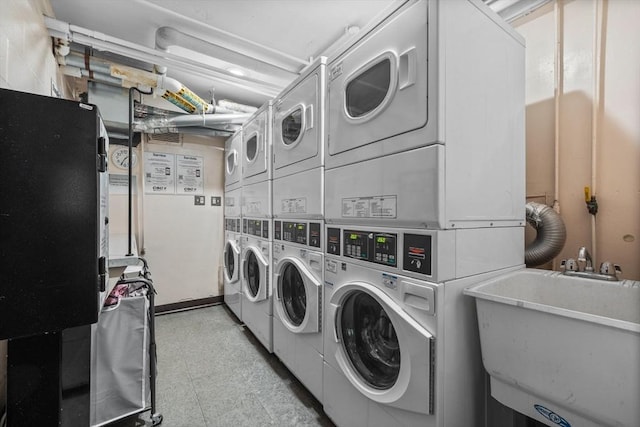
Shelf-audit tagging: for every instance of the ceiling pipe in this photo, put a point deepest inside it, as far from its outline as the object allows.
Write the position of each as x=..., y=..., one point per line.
x=236, y=43
x=166, y=37
x=103, y=42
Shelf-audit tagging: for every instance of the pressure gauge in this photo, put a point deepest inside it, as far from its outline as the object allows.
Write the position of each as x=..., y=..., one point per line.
x=120, y=158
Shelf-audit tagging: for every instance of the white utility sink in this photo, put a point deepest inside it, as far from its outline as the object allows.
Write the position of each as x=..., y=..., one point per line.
x=562, y=350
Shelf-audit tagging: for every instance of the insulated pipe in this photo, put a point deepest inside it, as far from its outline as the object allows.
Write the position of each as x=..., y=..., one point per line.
x=551, y=234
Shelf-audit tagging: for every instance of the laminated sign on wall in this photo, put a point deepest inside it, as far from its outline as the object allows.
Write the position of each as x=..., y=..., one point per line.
x=190, y=171
x=159, y=173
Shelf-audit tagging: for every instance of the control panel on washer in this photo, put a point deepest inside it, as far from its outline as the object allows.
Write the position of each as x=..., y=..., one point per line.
x=382, y=248
x=256, y=227
x=232, y=224
x=301, y=232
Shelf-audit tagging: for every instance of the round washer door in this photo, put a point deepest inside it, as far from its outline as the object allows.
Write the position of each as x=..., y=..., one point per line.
x=297, y=296
x=254, y=274
x=382, y=351
x=231, y=261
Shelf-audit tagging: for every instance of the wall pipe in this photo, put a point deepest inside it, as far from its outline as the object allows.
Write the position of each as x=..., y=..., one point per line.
x=131, y=89
x=599, y=29
x=558, y=93
x=551, y=234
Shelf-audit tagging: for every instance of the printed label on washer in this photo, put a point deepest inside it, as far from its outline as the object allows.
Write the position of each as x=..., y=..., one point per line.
x=298, y=205
x=389, y=281
x=253, y=207
x=370, y=207
x=332, y=266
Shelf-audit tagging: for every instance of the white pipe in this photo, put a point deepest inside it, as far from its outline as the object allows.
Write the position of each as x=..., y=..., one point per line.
x=599, y=28
x=166, y=37
x=558, y=92
x=107, y=43
x=251, y=48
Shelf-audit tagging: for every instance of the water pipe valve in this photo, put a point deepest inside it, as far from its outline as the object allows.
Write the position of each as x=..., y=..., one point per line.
x=590, y=200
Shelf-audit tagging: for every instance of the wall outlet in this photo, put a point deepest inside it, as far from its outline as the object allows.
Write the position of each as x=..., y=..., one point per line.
x=216, y=201
x=199, y=200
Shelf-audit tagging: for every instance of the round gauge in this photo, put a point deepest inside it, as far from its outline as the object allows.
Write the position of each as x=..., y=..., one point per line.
x=120, y=158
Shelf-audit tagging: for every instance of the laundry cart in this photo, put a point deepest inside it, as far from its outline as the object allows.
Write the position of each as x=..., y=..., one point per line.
x=124, y=353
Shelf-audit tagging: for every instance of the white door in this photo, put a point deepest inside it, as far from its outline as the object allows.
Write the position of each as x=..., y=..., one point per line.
x=382, y=351
x=378, y=88
x=298, y=295
x=255, y=270
x=231, y=261
x=255, y=146
x=296, y=134
x=232, y=162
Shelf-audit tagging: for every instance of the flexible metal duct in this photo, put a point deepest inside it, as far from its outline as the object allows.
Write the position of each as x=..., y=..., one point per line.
x=551, y=234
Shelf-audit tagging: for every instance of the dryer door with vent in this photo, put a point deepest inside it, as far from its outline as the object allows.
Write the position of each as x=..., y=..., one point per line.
x=231, y=261
x=255, y=147
x=298, y=296
x=297, y=135
x=232, y=161
x=381, y=350
x=378, y=88
x=255, y=271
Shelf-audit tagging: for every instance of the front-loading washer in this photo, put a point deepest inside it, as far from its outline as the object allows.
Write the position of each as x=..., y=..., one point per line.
x=298, y=146
x=297, y=302
x=232, y=250
x=400, y=338
x=233, y=162
x=257, y=302
x=425, y=121
x=256, y=146
x=231, y=254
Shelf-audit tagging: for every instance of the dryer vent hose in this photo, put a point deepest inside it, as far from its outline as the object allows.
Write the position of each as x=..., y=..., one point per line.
x=551, y=234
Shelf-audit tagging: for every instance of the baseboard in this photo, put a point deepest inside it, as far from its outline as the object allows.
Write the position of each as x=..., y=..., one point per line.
x=188, y=305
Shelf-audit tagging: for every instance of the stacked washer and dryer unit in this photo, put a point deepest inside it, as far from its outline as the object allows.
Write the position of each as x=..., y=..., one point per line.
x=233, y=224
x=298, y=204
x=257, y=214
x=424, y=196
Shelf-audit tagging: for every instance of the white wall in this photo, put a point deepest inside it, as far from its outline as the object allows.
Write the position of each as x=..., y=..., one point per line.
x=617, y=159
x=26, y=64
x=181, y=241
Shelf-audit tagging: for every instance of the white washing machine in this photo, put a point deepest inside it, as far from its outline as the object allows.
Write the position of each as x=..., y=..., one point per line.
x=297, y=305
x=420, y=110
x=257, y=302
x=400, y=340
x=231, y=254
x=298, y=146
x=233, y=162
x=256, y=146
x=232, y=250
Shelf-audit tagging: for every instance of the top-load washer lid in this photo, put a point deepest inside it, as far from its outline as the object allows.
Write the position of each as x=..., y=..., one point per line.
x=255, y=271
x=381, y=350
x=231, y=261
x=298, y=296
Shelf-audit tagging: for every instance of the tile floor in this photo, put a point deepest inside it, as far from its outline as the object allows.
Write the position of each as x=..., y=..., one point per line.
x=213, y=372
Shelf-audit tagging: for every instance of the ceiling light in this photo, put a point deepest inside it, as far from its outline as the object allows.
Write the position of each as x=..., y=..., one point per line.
x=236, y=72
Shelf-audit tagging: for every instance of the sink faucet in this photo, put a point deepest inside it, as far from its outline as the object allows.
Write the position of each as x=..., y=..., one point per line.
x=573, y=267
x=585, y=256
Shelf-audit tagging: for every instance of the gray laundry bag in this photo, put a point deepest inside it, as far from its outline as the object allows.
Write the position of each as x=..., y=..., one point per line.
x=120, y=384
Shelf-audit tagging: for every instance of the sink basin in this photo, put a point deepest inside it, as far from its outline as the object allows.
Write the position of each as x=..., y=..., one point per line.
x=562, y=350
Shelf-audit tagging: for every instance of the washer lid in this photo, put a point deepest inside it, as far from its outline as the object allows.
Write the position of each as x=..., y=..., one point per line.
x=298, y=296
x=383, y=352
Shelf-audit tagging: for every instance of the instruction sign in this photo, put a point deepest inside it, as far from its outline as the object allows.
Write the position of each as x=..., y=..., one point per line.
x=190, y=171
x=159, y=173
